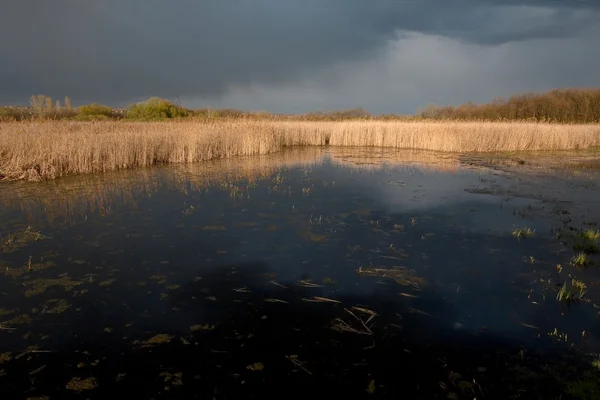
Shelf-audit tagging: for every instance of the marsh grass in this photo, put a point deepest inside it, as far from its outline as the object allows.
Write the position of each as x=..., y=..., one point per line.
x=38, y=150
x=584, y=240
x=571, y=292
x=581, y=260
x=523, y=232
x=590, y=234
x=586, y=246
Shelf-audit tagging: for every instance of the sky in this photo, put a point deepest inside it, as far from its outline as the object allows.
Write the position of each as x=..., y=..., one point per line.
x=296, y=56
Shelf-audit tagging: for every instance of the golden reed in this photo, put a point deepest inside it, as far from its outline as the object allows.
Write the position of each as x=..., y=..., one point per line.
x=49, y=149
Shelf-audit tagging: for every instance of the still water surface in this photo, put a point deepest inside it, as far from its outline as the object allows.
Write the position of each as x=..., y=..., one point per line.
x=375, y=273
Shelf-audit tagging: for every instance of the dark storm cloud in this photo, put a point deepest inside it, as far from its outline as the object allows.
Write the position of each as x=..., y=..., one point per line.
x=115, y=51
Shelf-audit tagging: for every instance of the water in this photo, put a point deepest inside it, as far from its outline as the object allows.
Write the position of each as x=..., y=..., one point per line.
x=375, y=273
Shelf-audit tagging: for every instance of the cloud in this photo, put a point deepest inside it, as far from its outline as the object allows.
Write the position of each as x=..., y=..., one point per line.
x=416, y=69
x=292, y=54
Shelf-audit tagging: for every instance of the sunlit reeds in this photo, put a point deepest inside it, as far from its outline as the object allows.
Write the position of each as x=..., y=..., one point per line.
x=51, y=149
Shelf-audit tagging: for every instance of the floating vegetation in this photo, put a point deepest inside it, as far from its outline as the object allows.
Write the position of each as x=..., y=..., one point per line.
x=27, y=268
x=256, y=367
x=401, y=275
x=364, y=310
x=214, y=228
x=309, y=284
x=20, y=239
x=278, y=284
x=318, y=299
x=273, y=300
x=79, y=385
x=353, y=325
x=173, y=379
x=55, y=306
x=316, y=238
x=161, y=338
x=297, y=363
x=18, y=320
x=523, y=232
x=581, y=260
x=4, y=312
x=200, y=328
x=5, y=357
x=408, y=295
x=107, y=282
x=39, y=286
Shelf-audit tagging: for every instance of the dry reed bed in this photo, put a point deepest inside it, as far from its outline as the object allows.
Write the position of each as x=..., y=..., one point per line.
x=50, y=149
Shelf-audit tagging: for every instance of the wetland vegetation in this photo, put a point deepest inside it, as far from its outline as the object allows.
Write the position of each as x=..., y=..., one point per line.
x=51, y=149
x=340, y=254
x=347, y=272
x=49, y=140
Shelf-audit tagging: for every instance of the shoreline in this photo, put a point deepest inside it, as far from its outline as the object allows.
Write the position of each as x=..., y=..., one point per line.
x=37, y=151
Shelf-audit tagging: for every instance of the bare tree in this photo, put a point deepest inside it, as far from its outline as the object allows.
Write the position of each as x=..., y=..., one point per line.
x=37, y=103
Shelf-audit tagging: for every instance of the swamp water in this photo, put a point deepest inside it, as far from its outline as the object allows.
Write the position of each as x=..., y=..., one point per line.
x=380, y=274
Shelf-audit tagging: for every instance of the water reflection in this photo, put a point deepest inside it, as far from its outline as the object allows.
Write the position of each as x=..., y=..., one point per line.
x=311, y=265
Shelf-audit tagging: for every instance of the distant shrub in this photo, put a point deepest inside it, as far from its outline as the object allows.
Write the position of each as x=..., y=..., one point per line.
x=155, y=109
x=95, y=110
x=10, y=114
x=91, y=117
x=353, y=113
x=561, y=106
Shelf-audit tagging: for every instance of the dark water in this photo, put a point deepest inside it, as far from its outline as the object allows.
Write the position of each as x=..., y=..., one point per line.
x=303, y=274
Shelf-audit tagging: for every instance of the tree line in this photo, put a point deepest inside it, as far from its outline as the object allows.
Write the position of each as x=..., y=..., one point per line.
x=560, y=106
x=556, y=106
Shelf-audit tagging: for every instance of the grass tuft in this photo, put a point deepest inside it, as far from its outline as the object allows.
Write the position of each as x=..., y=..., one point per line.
x=581, y=260
x=523, y=232
x=590, y=234
x=571, y=292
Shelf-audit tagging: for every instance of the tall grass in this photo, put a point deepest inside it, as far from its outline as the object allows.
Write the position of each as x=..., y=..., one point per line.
x=51, y=149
